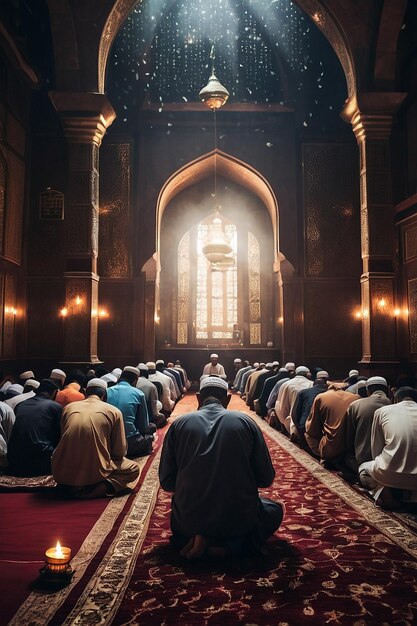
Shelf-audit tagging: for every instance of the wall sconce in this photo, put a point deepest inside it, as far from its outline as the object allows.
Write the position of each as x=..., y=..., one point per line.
x=156, y=318
x=382, y=303
x=281, y=320
x=63, y=312
x=10, y=310
x=397, y=312
x=358, y=315
x=103, y=313
x=78, y=300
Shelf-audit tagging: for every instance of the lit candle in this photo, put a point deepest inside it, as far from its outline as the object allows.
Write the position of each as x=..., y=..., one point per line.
x=57, y=558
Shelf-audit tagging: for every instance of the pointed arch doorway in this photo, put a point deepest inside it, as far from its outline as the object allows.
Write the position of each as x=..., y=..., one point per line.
x=194, y=307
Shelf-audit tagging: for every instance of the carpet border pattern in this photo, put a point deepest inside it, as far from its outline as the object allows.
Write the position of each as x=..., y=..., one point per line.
x=103, y=594
x=390, y=526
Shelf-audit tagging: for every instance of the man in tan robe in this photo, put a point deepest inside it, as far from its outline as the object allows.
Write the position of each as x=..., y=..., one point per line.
x=325, y=429
x=90, y=457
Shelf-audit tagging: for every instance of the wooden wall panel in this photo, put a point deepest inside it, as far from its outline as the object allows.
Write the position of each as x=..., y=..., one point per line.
x=115, y=332
x=14, y=208
x=45, y=298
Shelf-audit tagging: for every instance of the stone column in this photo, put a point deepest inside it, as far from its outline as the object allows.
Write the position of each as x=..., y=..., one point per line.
x=371, y=116
x=85, y=118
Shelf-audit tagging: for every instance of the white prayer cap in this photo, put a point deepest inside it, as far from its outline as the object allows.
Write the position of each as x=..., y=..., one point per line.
x=31, y=382
x=237, y=361
x=143, y=367
x=151, y=365
x=353, y=373
x=376, y=380
x=108, y=378
x=130, y=368
x=213, y=381
x=268, y=366
x=26, y=375
x=322, y=374
x=18, y=389
x=6, y=385
x=160, y=362
x=58, y=375
x=97, y=382
x=360, y=384
x=290, y=366
x=214, y=356
x=275, y=363
x=116, y=372
x=256, y=364
x=282, y=369
x=301, y=369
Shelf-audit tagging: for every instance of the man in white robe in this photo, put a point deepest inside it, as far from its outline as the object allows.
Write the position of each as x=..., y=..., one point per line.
x=392, y=475
x=288, y=394
x=214, y=368
x=7, y=419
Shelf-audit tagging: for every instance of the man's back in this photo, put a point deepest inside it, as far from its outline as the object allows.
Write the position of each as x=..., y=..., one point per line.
x=92, y=440
x=359, y=419
x=127, y=399
x=215, y=460
x=34, y=436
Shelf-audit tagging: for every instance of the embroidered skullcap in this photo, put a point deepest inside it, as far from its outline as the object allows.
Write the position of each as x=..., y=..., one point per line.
x=97, y=382
x=31, y=382
x=116, y=372
x=130, y=368
x=237, y=361
x=322, y=374
x=290, y=366
x=26, y=375
x=302, y=369
x=376, y=380
x=16, y=389
x=108, y=378
x=58, y=375
x=160, y=362
x=151, y=365
x=353, y=373
x=213, y=381
x=214, y=356
x=142, y=367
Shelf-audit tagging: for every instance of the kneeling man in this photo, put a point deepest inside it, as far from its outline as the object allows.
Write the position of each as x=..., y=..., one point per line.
x=214, y=460
x=90, y=457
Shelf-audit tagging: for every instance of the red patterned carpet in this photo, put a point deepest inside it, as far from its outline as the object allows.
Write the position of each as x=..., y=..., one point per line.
x=337, y=559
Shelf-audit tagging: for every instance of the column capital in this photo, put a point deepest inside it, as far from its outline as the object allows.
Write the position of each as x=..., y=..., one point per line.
x=371, y=113
x=85, y=116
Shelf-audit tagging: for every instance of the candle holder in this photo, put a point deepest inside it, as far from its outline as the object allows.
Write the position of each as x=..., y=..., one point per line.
x=57, y=571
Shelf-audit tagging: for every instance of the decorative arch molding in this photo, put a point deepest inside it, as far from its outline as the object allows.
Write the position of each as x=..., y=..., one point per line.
x=314, y=8
x=230, y=167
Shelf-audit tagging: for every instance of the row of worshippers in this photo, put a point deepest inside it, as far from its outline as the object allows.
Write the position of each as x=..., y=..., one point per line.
x=62, y=419
x=350, y=426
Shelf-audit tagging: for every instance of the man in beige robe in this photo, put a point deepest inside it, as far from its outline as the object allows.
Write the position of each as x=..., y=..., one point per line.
x=325, y=429
x=89, y=460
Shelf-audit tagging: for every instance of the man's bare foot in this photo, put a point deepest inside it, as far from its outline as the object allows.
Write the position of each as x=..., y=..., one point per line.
x=195, y=548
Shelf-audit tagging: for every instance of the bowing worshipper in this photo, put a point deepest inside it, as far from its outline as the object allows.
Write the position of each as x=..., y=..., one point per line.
x=35, y=433
x=261, y=407
x=131, y=402
x=150, y=392
x=253, y=375
x=173, y=393
x=58, y=376
x=252, y=382
x=109, y=379
x=13, y=391
x=214, y=368
x=177, y=373
x=302, y=407
x=356, y=386
x=214, y=460
x=175, y=378
x=73, y=390
x=25, y=376
x=179, y=367
x=272, y=369
x=28, y=392
x=352, y=378
x=89, y=460
x=325, y=431
x=391, y=477
x=7, y=419
x=287, y=395
x=359, y=419
x=116, y=372
x=157, y=377
x=245, y=377
x=245, y=368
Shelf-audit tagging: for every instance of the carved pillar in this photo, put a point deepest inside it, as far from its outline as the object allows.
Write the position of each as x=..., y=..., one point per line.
x=371, y=116
x=85, y=118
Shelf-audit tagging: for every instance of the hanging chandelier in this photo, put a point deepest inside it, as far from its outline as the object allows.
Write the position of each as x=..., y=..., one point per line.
x=216, y=248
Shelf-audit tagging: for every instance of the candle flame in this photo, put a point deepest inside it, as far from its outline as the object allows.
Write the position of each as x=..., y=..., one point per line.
x=58, y=550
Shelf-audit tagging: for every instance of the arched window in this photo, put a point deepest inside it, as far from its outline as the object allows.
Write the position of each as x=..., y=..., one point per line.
x=210, y=302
